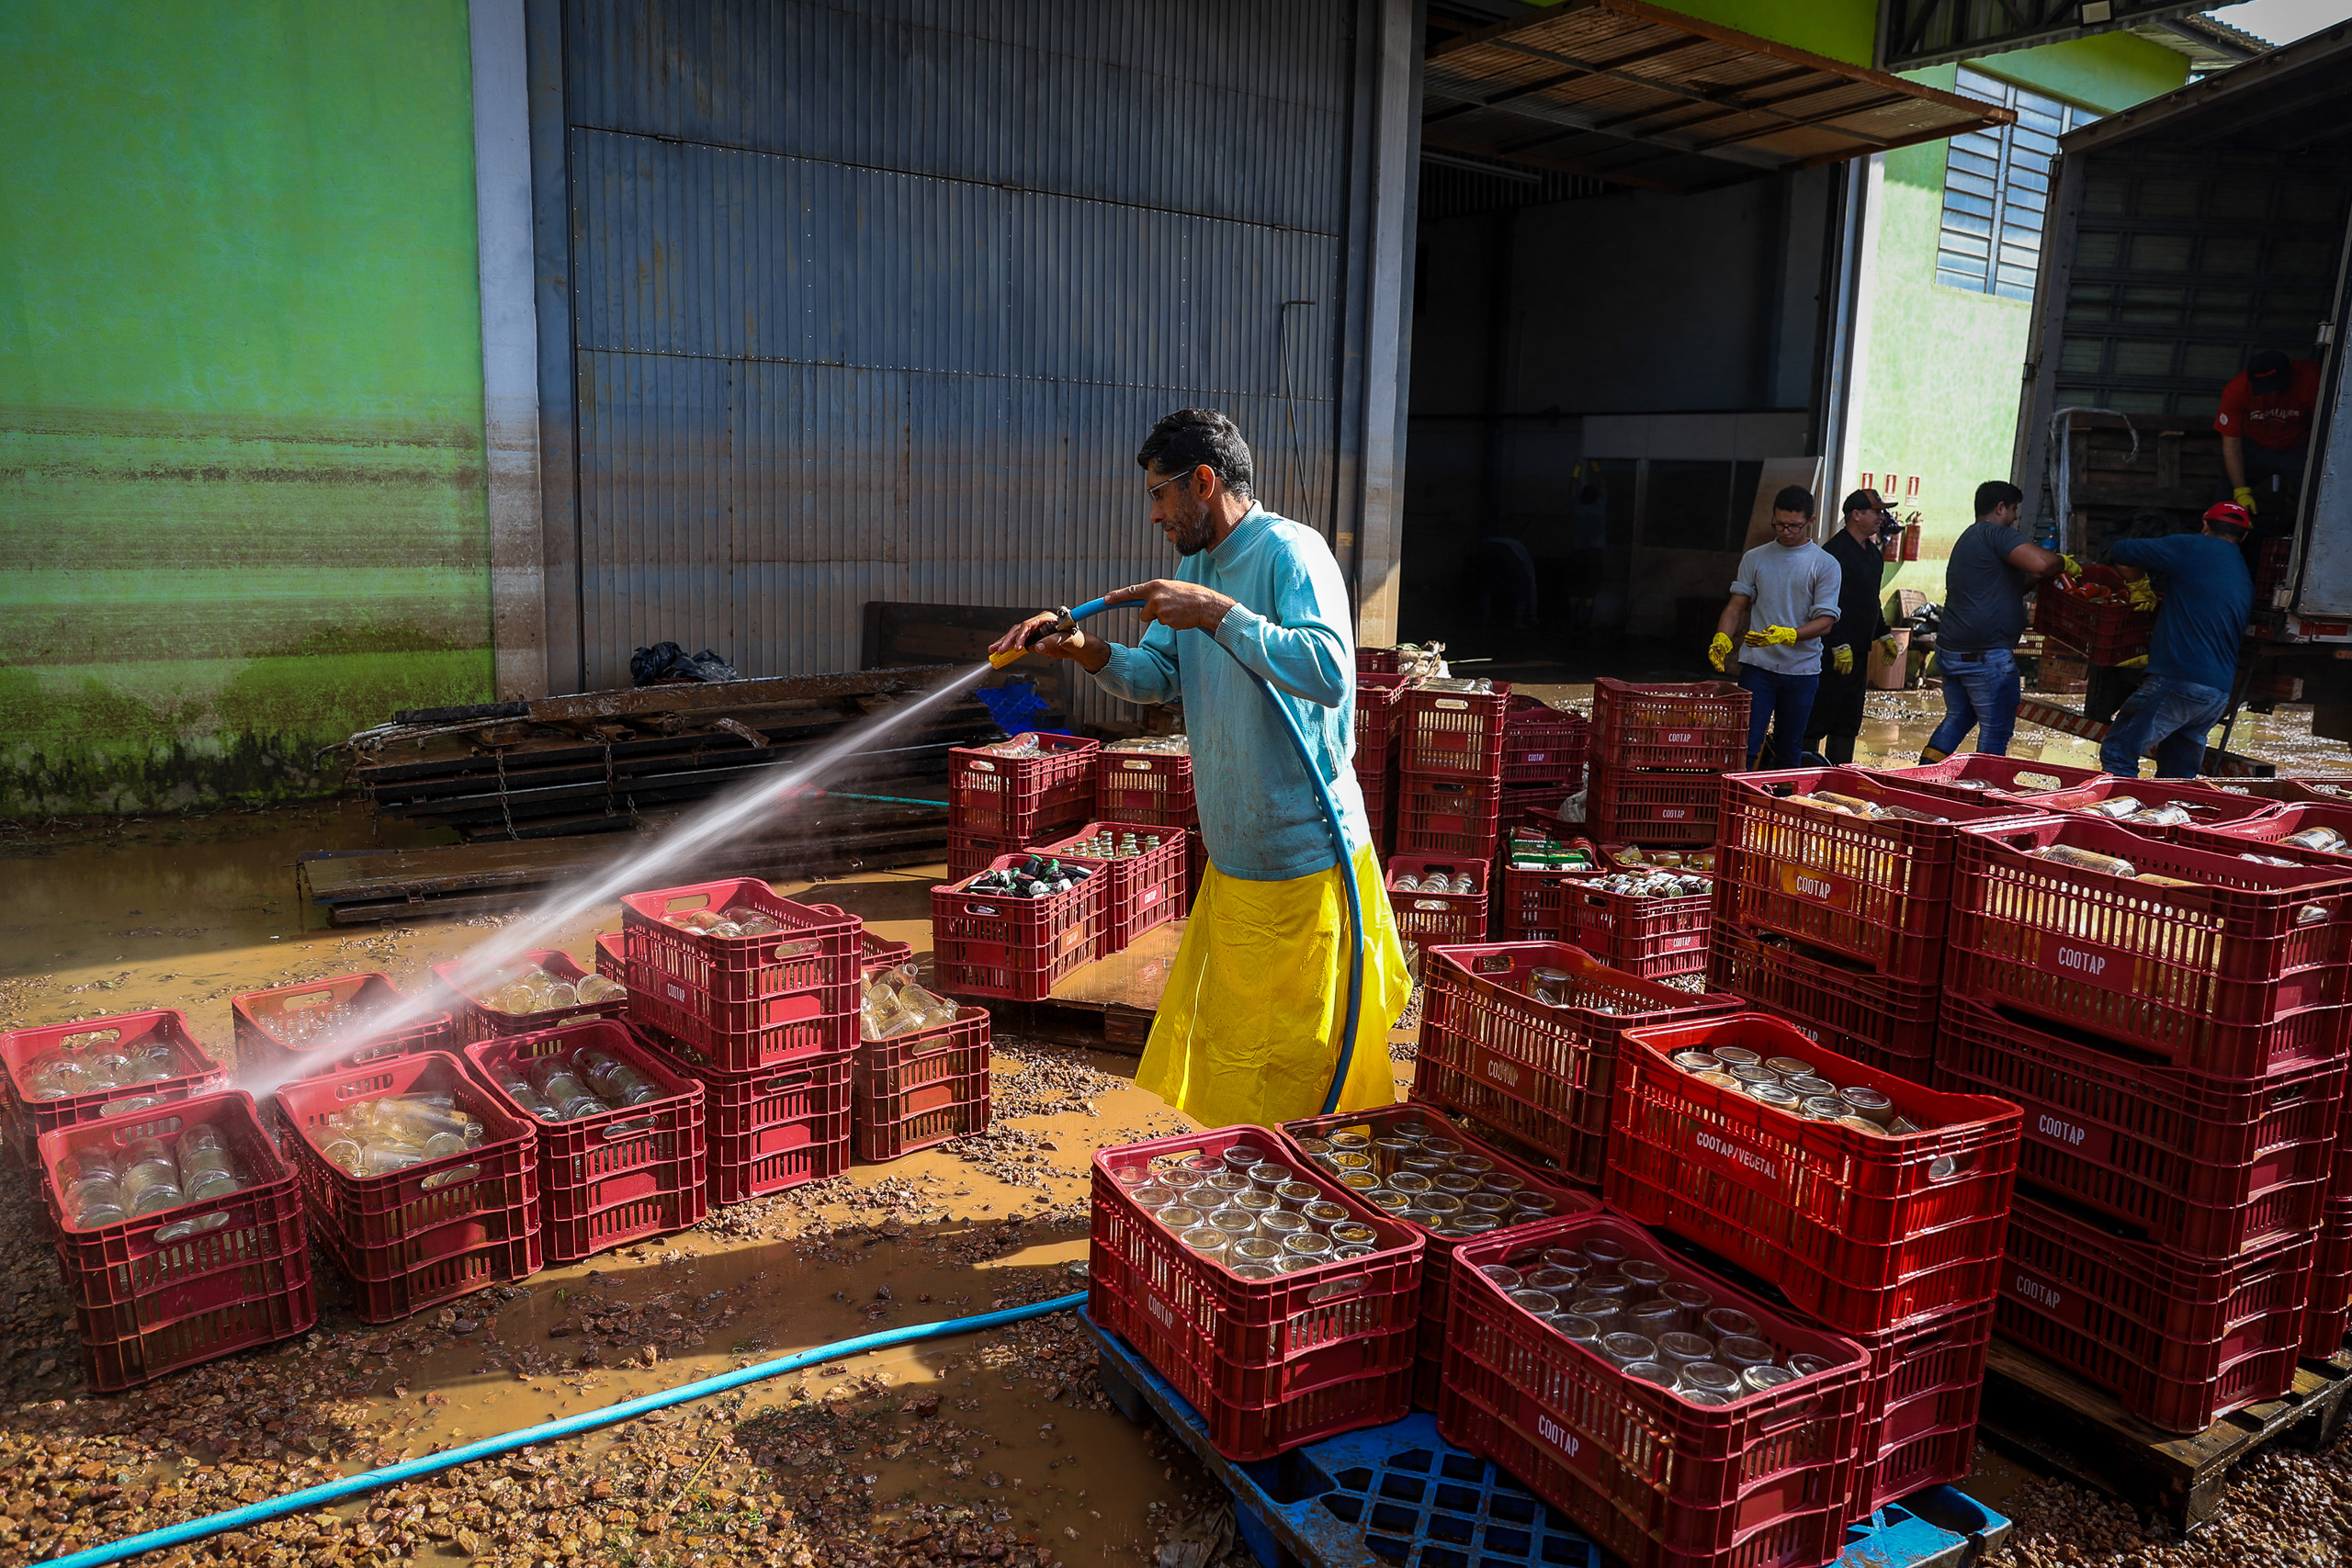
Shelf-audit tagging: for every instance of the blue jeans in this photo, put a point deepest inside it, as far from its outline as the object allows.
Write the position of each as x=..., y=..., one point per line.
x=1980, y=692
x=2168, y=718
x=1785, y=698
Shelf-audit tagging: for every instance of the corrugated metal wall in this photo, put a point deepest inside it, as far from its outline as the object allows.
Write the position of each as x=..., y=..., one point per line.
x=877, y=302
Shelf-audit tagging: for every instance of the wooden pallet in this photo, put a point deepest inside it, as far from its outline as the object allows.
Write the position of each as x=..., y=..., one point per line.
x=2059, y=1423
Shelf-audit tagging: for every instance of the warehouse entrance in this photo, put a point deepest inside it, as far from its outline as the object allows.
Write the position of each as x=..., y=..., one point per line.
x=1633, y=236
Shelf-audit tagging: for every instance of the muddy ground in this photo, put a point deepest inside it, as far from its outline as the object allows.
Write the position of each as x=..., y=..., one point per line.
x=988, y=1449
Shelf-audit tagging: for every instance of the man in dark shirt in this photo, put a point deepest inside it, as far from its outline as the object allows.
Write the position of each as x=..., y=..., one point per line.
x=2193, y=657
x=1992, y=566
x=1862, y=620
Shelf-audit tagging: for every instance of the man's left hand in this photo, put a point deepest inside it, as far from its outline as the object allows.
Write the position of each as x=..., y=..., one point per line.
x=1771, y=636
x=1179, y=606
x=1843, y=658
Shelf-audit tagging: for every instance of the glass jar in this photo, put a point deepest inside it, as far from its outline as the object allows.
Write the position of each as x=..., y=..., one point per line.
x=1728, y=1323
x=1622, y=1348
x=1321, y=1215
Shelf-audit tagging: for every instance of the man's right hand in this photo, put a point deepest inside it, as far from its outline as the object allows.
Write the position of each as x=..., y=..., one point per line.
x=1719, y=650
x=1076, y=645
x=2243, y=496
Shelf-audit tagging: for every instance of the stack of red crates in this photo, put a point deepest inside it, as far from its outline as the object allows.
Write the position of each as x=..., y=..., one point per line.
x=1141, y=891
x=184, y=1285
x=2177, y=1038
x=1544, y=758
x=1016, y=949
x=1835, y=920
x=31, y=1113
x=1450, y=768
x=1378, y=694
x=1152, y=790
x=1658, y=753
x=1892, y=1240
x=997, y=804
x=767, y=1025
x=1536, y=1068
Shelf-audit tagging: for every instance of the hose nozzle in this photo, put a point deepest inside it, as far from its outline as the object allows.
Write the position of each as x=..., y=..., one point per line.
x=1063, y=626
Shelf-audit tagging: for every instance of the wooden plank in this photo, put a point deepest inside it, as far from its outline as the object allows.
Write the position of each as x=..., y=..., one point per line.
x=2060, y=1423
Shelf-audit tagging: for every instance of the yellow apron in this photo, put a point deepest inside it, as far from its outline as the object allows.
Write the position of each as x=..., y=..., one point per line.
x=1259, y=991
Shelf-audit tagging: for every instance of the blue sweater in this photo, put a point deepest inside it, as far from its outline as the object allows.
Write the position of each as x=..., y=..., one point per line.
x=1290, y=623
x=2207, y=596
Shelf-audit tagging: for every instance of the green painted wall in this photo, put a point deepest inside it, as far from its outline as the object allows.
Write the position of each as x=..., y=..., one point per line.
x=1940, y=395
x=240, y=441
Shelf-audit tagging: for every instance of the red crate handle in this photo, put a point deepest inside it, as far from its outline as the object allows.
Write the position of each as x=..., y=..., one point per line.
x=1332, y=1289
x=616, y=1131
x=789, y=1081
x=181, y=1230
x=989, y=911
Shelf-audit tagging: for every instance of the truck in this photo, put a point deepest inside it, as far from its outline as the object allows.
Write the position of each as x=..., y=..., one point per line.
x=2182, y=236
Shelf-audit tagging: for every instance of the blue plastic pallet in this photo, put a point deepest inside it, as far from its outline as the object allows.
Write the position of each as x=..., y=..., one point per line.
x=1401, y=1496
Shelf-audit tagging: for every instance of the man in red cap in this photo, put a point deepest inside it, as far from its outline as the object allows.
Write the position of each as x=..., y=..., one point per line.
x=2193, y=657
x=2265, y=422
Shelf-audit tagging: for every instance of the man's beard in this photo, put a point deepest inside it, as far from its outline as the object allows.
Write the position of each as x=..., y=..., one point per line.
x=1193, y=532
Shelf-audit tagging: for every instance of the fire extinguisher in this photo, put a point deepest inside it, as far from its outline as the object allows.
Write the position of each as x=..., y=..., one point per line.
x=1911, y=537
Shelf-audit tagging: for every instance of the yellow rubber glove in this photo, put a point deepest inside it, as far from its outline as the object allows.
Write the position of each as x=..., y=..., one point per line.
x=2143, y=594
x=1928, y=668
x=1892, y=648
x=2243, y=496
x=1770, y=637
x=2139, y=664
x=2074, y=567
x=1719, y=650
x=1843, y=658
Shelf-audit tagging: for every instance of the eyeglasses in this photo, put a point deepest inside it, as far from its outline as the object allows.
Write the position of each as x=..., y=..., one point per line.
x=1153, y=491
x=1797, y=522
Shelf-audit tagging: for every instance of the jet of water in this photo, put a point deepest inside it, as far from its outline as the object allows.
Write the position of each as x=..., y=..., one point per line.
x=714, y=824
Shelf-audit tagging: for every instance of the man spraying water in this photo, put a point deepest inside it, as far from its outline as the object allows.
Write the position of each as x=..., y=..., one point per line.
x=1249, y=1026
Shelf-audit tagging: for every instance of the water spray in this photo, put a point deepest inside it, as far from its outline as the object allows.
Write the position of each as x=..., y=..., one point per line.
x=1065, y=622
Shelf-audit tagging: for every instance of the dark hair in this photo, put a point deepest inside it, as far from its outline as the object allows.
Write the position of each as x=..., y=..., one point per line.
x=1188, y=438
x=1793, y=498
x=1997, y=492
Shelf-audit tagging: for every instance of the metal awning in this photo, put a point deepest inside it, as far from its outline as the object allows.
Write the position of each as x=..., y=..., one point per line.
x=1644, y=96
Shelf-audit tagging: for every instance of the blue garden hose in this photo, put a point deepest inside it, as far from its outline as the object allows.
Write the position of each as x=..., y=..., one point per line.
x=568, y=1425
x=1347, y=867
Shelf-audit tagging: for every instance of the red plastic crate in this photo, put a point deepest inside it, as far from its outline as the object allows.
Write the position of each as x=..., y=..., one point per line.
x=1696, y=727
x=1445, y=918
x=754, y=1037
x=915, y=1090
x=2308, y=791
x=1153, y=787
x=2179, y=1341
x=1920, y=1405
x=1437, y=1257
x=1141, y=891
x=1980, y=776
x=1451, y=735
x=1879, y=891
x=878, y=951
x=475, y=1019
x=1022, y=798
x=2265, y=830
x=2101, y=631
x=815, y=955
x=2209, y=1167
x=1380, y=795
x=437, y=1231
x=2239, y=975
x=2212, y=808
x=968, y=854
x=1543, y=745
x=1375, y=662
x=166, y=1291
x=1447, y=816
x=771, y=1131
x=1537, y=807
x=1268, y=1364
x=264, y=1057
x=197, y=1074
x=1540, y=1074
x=1533, y=905
x=1011, y=947
x=1838, y=1004
x=1656, y=1481
x=1863, y=1232
x=2329, y=1313
x=1379, y=702
x=612, y=962
x=607, y=1180
x=1651, y=808
x=1649, y=937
